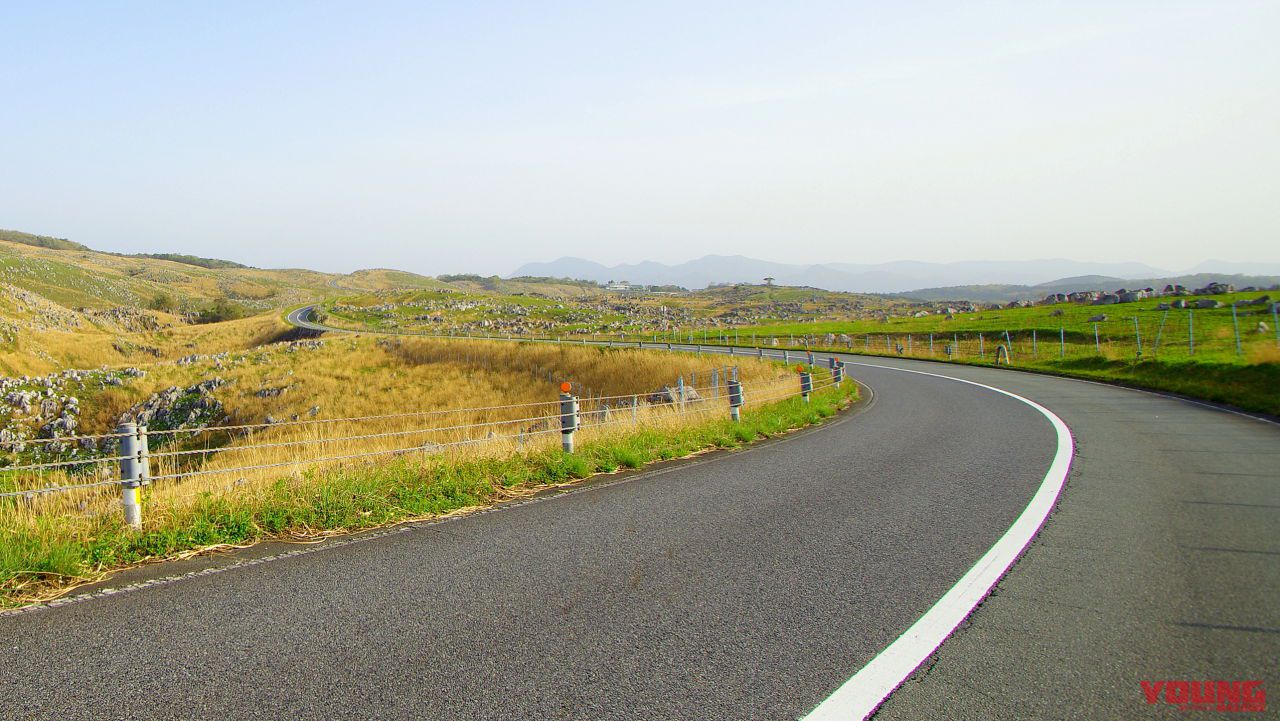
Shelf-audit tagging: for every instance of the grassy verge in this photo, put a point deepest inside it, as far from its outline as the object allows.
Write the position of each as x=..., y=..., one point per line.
x=42, y=561
x=1252, y=387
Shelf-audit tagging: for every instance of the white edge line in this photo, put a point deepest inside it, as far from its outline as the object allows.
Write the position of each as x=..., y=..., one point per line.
x=861, y=695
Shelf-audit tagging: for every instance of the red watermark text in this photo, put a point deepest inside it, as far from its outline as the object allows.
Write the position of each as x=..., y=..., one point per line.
x=1207, y=695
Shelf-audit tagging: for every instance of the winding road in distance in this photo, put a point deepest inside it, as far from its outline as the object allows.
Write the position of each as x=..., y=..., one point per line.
x=743, y=585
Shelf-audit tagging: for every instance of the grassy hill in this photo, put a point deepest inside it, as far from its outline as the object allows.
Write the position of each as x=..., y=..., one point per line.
x=39, y=241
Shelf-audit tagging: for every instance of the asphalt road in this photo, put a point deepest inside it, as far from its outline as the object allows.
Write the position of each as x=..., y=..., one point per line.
x=745, y=585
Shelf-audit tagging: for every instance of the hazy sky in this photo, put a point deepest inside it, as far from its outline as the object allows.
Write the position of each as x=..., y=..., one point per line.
x=452, y=137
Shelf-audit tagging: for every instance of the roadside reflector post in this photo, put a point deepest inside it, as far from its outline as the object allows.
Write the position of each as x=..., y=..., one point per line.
x=144, y=457
x=831, y=362
x=806, y=384
x=810, y=359
x=837, y=373
x=129, y=474
x=568, y=417
x=735, y=400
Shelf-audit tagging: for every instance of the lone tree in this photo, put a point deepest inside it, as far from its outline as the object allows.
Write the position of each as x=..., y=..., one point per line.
x=768, y=281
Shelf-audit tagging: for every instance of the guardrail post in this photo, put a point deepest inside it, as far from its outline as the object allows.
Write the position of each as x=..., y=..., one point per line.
x=129, y=474
x=806, y=384
x=144, y=457
x=568, y=417
x=837, y=372
x=735, y=400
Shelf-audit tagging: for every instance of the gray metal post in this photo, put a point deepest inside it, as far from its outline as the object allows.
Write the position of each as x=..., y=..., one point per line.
x=930, y=344
x=760, y=352
x=1033, y=342
x=735, y=400
x=680, y=381
x=982, y=348
x=635, y=404
x=1137, y=336
x=1097, y=342
x=806, y=385
x=1235, y=323
x=129, y=480
x=1062, y=342
x=1191, y=332
x=144, y=457
x=1155, y=350
x=568, y=420
x=786, y=357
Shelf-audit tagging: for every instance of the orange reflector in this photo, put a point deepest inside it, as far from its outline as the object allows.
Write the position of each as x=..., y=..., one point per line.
x=566, y=387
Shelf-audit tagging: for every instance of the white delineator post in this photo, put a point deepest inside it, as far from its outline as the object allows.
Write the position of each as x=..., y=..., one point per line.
x=806, y=384
x=735, y=400
x=568, y=418
x=130, y=478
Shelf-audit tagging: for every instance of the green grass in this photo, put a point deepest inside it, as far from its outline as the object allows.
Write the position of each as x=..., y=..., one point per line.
x=1189, y=352
x=48, y=557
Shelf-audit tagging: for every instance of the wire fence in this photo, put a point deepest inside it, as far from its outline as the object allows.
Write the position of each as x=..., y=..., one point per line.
x=247, y=451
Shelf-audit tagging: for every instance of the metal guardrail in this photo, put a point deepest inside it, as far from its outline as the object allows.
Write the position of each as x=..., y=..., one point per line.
x=565, y=416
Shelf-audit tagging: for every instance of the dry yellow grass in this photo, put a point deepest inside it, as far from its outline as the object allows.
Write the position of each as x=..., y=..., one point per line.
x=511, y=386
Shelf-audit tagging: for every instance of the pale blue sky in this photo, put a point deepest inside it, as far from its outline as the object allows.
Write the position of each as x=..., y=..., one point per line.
x=476, y=136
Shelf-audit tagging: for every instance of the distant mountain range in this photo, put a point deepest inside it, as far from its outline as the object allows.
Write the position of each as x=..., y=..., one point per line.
x=898, y=277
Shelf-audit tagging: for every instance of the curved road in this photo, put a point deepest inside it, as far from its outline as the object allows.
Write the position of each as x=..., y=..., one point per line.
x=742, y=585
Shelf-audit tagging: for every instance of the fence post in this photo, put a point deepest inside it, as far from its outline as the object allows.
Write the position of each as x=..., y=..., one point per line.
x=1009, y=349
x=635, y=403
x=806, y=384
x=955, y=343
x=1097, y=343
x=1191, y=332
x=735, y=400
x=1137, y=336
x=982, y=348
x=930, y=344
x=1235, y=324
x=680, y=387
x=568, y=417
x=144, y=457
x=1033, y=342
x=760, y=352
x=1062, y=342
x=129, y=480
x=786, y=357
